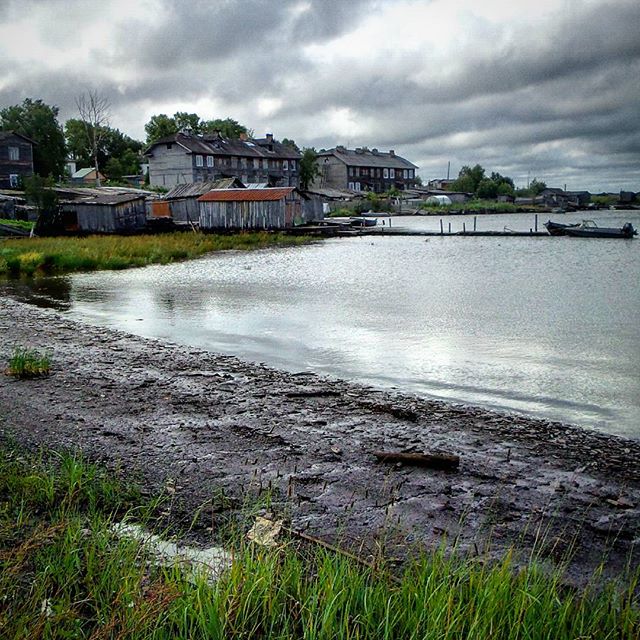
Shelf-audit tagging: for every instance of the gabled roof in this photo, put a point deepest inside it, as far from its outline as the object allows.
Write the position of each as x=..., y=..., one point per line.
x=4, y=135
x=213, y=144
x=83, y=173
x=368, y=158
x=246, y=195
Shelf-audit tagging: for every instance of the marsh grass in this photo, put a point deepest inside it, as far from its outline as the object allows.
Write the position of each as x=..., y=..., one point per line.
x=20, y=224
x=63, y=574
x=32, y=256
x=480, y=206
x=29, y=363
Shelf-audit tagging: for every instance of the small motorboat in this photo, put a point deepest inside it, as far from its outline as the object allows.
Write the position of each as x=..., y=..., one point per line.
x=589, y=229
x=361, y=221
x=557, y=228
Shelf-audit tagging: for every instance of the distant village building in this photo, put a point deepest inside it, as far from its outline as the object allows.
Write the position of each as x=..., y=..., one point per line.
x=440, y=184
x=16, y=159
x=185, y=157
x=241, y=209
x=86, y=176
x=554, y=197
x=362, y=169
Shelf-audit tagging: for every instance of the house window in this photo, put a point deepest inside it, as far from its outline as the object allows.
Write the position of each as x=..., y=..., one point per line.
x=392, y=173
x=285, y=165
x=199, y=161
x=385, y=173
x=256, y=163
x=13, y=180
x=292, y=165
x=352, y=171
x=351, y=187
x=209, y=161
x=14, y=153
x=169, y=145
x=357, y=185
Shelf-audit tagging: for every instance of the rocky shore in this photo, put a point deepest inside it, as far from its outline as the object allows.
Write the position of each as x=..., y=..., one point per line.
x=215, y=429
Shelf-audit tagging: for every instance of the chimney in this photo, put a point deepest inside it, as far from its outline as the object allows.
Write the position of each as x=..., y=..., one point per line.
x=244, y=137
x=269, y=137
x=186, y=131
x=392, y=152
x=374, y=151
x=217, y=134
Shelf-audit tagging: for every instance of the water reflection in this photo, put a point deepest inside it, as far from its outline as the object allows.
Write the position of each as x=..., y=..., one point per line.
x=544, y=326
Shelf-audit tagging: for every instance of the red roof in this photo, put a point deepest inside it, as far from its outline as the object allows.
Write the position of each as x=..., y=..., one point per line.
x=246, y=195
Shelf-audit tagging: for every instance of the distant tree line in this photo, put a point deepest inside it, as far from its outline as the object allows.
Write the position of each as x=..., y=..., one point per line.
x=475, y=180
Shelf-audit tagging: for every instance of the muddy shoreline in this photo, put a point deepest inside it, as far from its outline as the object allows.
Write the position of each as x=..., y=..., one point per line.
x=211, y=425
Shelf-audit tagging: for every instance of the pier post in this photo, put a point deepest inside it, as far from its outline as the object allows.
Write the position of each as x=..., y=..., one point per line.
x=536, y=223
x=441, y=230
x=475, y=218
x=449, y=227
x=464, y=227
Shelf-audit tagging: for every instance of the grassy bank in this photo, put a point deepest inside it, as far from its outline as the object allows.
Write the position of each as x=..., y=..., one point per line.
x=32, y=256
x=64, y=574
x=473, y=206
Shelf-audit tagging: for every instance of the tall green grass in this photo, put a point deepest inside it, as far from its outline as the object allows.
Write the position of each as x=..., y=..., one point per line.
x=480, y=206
x=63, y=574
x=29, y=363
x=29, y=256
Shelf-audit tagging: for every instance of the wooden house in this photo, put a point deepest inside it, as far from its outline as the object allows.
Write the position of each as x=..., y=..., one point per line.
x=184, y=157
x=105, y=213
x=364, y=170
x=16, y=159
x=241, y=209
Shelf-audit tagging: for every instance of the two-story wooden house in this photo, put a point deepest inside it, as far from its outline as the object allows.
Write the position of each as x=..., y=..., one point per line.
x=363, y=169
x=16, y=159
x=185, y=157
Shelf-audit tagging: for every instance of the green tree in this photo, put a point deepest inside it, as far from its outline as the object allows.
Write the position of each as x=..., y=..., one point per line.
x=468, y=179
x=38, y=121
x=189, y=121
x=487, y=189
x=117, y=149
x=309, y=170
x=290, y=143
x=228, y=127
x=536, y=187
x=160, y=126
x=505, y=189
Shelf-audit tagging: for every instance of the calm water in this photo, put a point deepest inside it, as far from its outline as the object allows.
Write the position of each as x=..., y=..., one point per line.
x=548, y=327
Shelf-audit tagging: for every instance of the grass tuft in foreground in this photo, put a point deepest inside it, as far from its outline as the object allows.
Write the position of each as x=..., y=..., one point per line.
x=45, y=256
x=29, y=363
x=63, y=574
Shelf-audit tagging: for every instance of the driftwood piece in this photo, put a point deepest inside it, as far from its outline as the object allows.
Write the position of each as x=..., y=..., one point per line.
x=445, y=461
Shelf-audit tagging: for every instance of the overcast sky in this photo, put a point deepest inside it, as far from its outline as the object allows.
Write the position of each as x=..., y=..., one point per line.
x=530, y=88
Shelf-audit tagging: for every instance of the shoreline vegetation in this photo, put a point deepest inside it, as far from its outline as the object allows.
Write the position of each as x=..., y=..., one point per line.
x=65, y=572
x=60, y=255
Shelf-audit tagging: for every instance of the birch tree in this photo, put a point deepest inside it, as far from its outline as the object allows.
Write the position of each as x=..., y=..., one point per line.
x=94, y=110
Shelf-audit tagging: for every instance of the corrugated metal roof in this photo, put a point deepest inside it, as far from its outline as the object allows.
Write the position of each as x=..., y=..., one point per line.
x=366, y=158
x=195, y=189
x=82, y=173
x=246, y=195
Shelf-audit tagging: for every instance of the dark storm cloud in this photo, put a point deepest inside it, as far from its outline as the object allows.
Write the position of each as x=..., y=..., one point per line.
x=559, y=97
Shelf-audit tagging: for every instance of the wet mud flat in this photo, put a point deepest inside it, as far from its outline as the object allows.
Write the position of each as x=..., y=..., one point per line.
x=215, y=429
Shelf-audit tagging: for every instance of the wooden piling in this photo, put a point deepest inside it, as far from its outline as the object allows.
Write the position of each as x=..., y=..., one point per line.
x=441, y=230
x=464, y=227
x=536, y=223
x=475, y=219
x=449, y=227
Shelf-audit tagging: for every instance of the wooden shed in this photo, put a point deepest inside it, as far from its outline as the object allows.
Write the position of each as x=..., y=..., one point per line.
x=181, y=203
x=272, y=208
x=109, y=213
